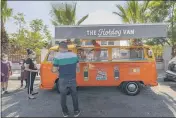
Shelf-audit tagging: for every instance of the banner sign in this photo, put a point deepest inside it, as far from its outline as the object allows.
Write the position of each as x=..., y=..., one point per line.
x=111, y=31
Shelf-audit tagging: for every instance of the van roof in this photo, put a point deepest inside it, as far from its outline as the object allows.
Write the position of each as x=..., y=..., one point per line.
x=74, y=46
x=57, y=47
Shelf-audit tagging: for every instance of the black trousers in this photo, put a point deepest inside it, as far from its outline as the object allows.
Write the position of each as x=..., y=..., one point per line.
x=65, y=87
x=30, y=81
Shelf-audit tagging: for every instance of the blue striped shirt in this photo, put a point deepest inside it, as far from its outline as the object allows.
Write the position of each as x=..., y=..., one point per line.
x=66, y=61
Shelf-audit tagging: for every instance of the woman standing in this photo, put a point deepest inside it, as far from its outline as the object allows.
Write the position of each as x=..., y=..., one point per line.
x=23, y=72
x=5, y=72
x=31, y=70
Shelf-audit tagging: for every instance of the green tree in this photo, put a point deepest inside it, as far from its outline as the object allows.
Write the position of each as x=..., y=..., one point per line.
x=172, y=30
x=133, y=12
x=36, y=25
x=164, y=11
x=151, y=12
x=16, y=40
x=40, y=32
x=65, y=14
x=6, y=13
x=35, y=37
x=158, y=11
x=19, y=21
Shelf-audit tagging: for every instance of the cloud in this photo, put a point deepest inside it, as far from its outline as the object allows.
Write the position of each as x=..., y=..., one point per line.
x=102, y=17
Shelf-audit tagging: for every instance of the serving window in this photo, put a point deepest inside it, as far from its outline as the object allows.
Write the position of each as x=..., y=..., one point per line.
x=127, y=54
x=89, y=55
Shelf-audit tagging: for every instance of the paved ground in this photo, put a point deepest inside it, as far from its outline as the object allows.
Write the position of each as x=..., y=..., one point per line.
x=157, y=101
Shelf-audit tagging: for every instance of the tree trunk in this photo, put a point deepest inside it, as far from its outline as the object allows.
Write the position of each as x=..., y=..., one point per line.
x=173, y=50
x=4, y=39
x=172, y=26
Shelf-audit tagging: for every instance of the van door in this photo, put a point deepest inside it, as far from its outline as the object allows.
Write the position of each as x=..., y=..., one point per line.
x=47, y=77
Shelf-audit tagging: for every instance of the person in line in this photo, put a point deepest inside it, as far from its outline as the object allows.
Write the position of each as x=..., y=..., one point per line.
x=69, y=42
x=65, y=63
x=31, y=70
x=6, y=71
x=97, y=50
x=81, y=54
x=23, y=73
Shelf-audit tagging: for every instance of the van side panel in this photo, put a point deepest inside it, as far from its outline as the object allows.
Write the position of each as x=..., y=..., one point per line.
x=144, y=72
x=47, y=77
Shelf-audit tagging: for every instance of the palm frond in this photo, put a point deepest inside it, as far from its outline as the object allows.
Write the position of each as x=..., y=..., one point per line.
x=82, y=19
x=5, y=11
x=122, y=13
x=68, y=10
x=116, y=13
x=74, y=11
x=64, y=14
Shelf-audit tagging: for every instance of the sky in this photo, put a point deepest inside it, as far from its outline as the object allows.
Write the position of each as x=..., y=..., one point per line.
x=100, y=12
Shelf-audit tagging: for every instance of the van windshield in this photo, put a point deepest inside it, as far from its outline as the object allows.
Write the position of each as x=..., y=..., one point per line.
x=51, y=55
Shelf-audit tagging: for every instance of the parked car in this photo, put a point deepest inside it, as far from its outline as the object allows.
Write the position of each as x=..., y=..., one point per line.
x=171, y=72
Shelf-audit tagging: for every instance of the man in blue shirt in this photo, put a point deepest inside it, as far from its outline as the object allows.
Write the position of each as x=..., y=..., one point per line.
x=66, y=63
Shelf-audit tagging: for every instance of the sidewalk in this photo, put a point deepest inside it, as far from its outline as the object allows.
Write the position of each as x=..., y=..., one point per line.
x=17, y=73
x=161, y=73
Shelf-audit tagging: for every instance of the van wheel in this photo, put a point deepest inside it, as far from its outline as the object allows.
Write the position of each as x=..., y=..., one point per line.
x=131, y=88
x=57, y=88
x=121, y=87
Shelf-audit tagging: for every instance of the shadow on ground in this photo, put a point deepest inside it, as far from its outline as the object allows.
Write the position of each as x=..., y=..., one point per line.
x=19, y=89
x=94, y=102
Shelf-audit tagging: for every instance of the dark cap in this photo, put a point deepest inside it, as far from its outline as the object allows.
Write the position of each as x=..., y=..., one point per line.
x=63, y=45
x=29, y=51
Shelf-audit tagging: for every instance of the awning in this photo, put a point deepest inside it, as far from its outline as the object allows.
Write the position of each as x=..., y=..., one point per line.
x=112, y=31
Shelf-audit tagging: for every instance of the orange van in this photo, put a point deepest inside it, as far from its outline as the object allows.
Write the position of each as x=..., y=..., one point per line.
x=126, y=66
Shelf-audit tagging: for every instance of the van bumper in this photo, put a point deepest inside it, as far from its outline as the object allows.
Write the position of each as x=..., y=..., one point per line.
x=154, y=84
x=45, y=88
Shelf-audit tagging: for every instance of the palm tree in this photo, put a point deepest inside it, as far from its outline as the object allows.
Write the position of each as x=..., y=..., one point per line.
x=6, y=13
x=65, y=14
x=133, y=12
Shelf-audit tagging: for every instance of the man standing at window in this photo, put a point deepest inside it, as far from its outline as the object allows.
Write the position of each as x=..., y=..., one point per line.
x=65, y=63
x=97, y=50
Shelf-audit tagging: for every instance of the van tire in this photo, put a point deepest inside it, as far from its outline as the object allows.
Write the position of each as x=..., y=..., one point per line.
x=135, y=88
x=57, y=87
x=122, y=87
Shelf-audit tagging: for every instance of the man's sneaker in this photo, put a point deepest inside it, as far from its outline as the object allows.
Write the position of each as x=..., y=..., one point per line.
x=76, y=113
x=6, y=92
x=65, y=114
x=31, y=96
x=34, y=93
